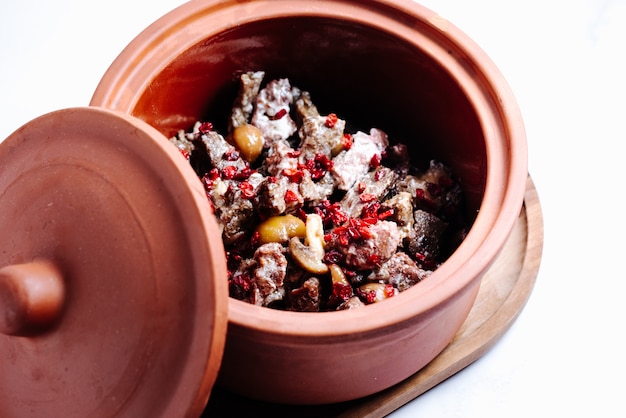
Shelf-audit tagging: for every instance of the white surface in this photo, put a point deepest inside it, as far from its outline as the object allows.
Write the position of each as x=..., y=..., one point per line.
x=566, y=63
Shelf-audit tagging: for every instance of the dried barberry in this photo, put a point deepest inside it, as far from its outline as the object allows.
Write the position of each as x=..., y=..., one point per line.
x=291, y=196
x=229, y=172
x=342, y=291
x=213, y=174
x=370, y=210
x=318, y=166
x=255, y=239
x=231, y=154
x=367, y=197
x=331, y=213
x=375, y=161
x=354, y=230
x=205, y=127
x=244, y=173
x=247, y=190
x=374, y=260
x=331, y=120
x=386, y=214
x=279, y=115
x=389, y=290
x=184, y=153
x=368, y=296
x=424, y=262
x=239, y=286
x=293, y=174
x=347, y=141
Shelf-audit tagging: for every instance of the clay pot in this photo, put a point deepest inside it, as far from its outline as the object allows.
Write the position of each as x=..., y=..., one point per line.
x=390, y=64
x=108, y=303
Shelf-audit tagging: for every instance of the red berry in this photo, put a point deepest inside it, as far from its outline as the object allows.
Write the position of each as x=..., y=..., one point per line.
x=331, y=120
x=205, y=127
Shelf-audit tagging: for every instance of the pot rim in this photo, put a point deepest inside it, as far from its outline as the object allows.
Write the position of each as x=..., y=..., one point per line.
x=480, y=79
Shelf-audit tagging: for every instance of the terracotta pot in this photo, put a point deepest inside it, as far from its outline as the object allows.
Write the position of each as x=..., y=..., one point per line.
x=391, y=64
x=108, y=303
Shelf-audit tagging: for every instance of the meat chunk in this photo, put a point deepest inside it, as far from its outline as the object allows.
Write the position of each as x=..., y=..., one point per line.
x=222, y=154
x=234, y=210
x=400, y=271
x=278, y=195
x=184, y=141
x=271, y=113
x=319, y=137
x=371, y=187
x=353, y=303
x=410, y=184
x=249, y=86
x=350, y=165
x=314, y=192
x=305, y=107
x=240, y=281
x=305, y=298
x=435, y=187
x=401, y=205
x=427, y=234
x=369, y=252
x=269, y=274
x=281, y=158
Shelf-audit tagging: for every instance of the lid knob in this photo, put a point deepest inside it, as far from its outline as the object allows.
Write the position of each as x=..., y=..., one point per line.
x=31, y=298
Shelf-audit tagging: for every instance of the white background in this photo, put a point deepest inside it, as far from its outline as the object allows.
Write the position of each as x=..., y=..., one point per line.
x=566, y=63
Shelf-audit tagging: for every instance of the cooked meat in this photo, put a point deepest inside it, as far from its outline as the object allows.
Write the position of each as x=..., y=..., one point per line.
x=280, y=157
x=305, y=298
x=317, y=137
x=305, y=107
x=235, y=212
x=369, y=252
x=427, y=233
x=400, y=271
x=352, y=303
x=249, y=86
x=221, y=154
x=184, y=141
x=402, y=206
x=269, y=274
x=381, y=225
x=314, y=192
x=351, y=165
x=278, y=195
x=371, y=187
x=271, y=112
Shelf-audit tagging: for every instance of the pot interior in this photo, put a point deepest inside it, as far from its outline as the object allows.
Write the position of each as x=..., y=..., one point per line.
x=366, y=76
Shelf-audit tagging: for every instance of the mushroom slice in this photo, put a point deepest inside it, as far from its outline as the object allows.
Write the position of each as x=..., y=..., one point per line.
x=307, y=258
x=310, y=255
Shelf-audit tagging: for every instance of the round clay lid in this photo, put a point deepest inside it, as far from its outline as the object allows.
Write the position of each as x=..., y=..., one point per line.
x=112, y=301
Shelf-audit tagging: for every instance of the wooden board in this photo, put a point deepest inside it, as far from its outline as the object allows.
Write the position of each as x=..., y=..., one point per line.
x=504, y=291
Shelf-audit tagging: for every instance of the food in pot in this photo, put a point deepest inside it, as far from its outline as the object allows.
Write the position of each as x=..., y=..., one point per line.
x=315, y=217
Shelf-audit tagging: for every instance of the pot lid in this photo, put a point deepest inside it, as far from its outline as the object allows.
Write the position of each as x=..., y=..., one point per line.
x=112, y=301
